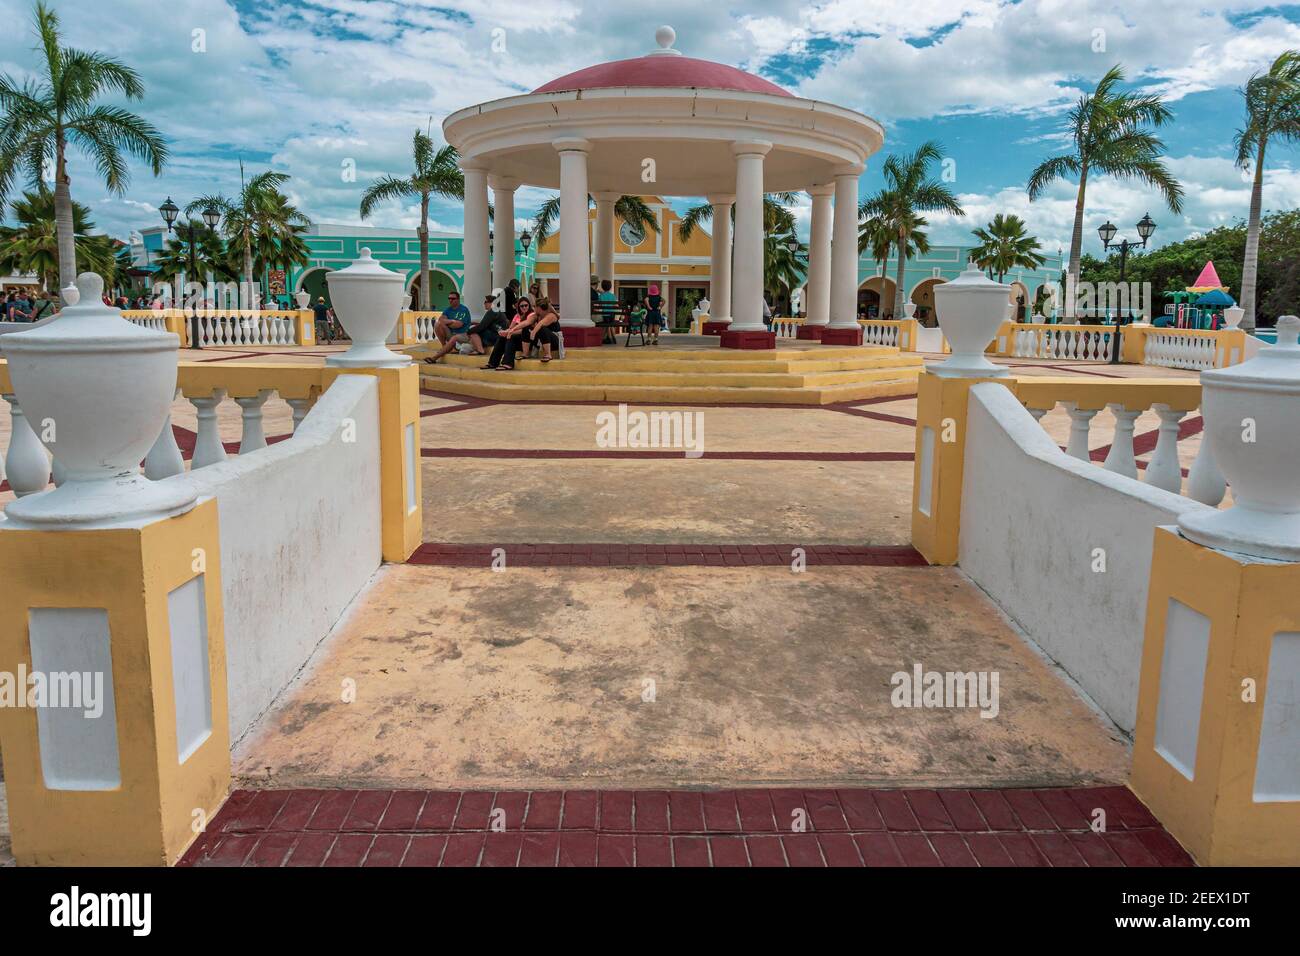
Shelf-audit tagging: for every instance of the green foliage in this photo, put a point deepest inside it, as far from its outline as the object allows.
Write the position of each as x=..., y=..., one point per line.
x=1174, y=266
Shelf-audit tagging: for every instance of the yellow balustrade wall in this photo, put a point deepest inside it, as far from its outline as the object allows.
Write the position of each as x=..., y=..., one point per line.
x=941, y=438
x=167, y=791
x=1213, y=803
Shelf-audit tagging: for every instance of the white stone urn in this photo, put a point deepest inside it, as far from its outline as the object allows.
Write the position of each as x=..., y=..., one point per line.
x=909, y=310
x=971, y=308
x=97, y=390
x=1232, y=316
x=367, y=299
x=1254, y=433
x=303, y=299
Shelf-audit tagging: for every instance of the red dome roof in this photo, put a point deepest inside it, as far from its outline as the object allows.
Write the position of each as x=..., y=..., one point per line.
x=665, y=71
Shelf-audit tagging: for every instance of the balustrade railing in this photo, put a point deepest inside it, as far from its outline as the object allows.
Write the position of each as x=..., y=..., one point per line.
x=1192, y=349
x=415, y=327
x=27, y=465
x=1085, y=343
x=227, y=326
x=786, y=327
x=1171, y=400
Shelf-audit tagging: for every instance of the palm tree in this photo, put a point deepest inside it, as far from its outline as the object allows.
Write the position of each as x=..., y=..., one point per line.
x=43, y=117
x=633, y=210
x=1004, y=245
x=437, y=173
x=909, y=191
x=783, y=270
x=1272, y=113
x=195, y=250
x=244, y=217
x=279, y=235
x=777, y=218
x=34, y=244
x=1109, y=133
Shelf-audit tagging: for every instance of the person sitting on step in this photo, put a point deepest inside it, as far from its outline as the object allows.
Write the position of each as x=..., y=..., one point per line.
x=545, y=331
x=503, y=353
x=478, y=335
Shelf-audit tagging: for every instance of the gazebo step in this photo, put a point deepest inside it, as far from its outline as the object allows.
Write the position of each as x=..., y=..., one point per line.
x=563, y=376
x=683, y=362
x=508, y=386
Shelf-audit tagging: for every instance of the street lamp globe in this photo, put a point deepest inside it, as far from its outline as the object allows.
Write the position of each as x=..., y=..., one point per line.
x=169, y=212
x=211, y=216
x=1145, y=227
x=1107, y=232
x=526, y=240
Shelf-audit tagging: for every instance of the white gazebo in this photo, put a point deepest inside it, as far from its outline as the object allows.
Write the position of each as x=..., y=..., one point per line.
x=679, y=126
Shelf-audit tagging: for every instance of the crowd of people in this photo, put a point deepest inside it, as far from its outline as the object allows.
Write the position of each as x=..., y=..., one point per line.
x=21, y=306
x=513, y=325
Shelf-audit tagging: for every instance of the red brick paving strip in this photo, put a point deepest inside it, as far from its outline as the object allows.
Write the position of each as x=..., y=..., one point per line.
x=685, y=828
x=664, y=555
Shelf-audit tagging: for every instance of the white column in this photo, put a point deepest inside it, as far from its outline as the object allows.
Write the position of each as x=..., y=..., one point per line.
x=747, y=292
x=575, y=256
x=503, y=243
x=720, y=287
x=819, y=257
x=605, y=235
x=844, y=251
x=477, y=282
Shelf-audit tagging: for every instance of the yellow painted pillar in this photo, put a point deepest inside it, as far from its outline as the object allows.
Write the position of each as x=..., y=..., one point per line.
x=1232, y=346
x=1002, y=342
x=401, y=498
x=1133, y=344
x=406, y=328
x=176, y=324
x=939, y=462
x=1214, y=755
x=907, y=335
x=305, y=326
x=135, y=783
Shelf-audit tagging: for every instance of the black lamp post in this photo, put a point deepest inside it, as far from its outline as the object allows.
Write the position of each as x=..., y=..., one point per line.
x=211, y=216
x=526, y=240
x=1145, y=227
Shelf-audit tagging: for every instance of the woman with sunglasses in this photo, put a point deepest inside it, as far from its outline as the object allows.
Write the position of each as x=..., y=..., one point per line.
x=503, y=353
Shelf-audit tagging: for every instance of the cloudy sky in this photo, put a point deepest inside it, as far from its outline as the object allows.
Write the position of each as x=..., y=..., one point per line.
x=312, y=86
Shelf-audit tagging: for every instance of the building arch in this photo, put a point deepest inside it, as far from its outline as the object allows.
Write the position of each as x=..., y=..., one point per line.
x=441, y=284
x=923, y=298
x=876, y=297
x=1021, y=301
x=313, y=283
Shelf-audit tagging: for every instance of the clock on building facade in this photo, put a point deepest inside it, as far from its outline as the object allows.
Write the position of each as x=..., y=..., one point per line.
x=631, y=235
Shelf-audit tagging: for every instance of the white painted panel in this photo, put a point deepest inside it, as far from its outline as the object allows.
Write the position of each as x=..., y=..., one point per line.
x=923, y=503
x=187, y=618
x=78, y=744
x=1182, y=686
x=1277, y=772
x=410, y=446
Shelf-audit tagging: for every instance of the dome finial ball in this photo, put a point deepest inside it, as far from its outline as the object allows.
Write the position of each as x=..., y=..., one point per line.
x=665, y=36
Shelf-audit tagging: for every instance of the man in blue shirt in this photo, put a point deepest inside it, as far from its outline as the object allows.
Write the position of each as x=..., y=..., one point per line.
x=455, y=320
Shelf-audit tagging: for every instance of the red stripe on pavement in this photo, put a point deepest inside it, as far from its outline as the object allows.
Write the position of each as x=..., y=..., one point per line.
x=664, y=555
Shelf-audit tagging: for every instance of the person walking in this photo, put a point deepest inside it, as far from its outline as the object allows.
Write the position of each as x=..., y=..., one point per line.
x=321, y=315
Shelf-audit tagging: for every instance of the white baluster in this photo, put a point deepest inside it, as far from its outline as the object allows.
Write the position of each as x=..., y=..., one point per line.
x=253, y=437
x=1205, y=482
x=1038, y=413
x=1164, y=471
x=208, y=449
x=300, y=406
x=26, y=464
x=1120, y=458
x=164, y=458
x=1080, y=424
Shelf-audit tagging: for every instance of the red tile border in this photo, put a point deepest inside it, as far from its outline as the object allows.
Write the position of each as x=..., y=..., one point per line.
x=649, y=453
x=761, y=827
x=531, y=555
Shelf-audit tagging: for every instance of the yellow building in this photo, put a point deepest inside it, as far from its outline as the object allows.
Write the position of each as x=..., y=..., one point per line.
x=681, y=270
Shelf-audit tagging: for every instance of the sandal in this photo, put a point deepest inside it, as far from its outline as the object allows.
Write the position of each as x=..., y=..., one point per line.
x=504, y=368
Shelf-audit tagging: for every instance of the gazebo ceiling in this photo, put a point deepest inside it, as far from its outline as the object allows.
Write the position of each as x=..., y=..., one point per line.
x=663, y=123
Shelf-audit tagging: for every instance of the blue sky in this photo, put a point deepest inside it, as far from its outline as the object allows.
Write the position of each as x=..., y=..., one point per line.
x=305, y=87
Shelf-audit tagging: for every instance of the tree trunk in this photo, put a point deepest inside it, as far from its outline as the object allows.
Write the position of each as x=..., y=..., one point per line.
x=1076, y=244
x=248, y=273
x=63, y=223
x=1250, y=268
x=424, y=253
x=898, y=273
